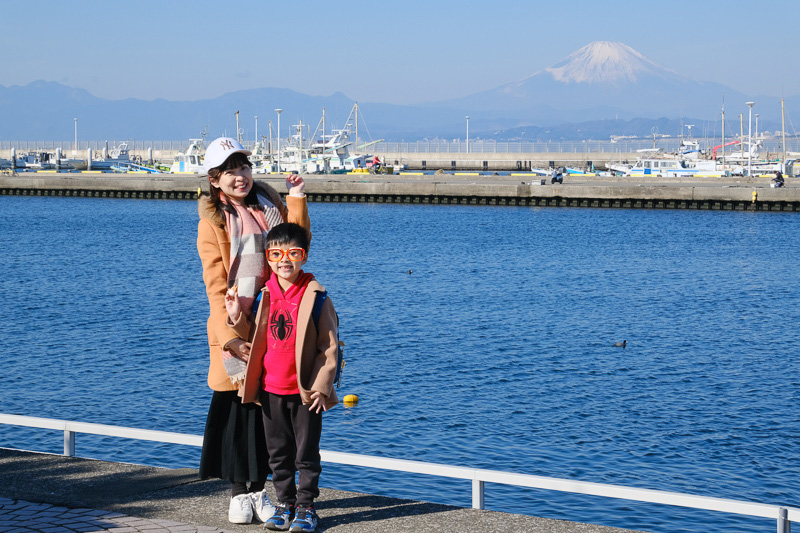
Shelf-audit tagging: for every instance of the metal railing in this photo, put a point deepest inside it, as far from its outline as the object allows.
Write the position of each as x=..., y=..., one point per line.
x=783, y=515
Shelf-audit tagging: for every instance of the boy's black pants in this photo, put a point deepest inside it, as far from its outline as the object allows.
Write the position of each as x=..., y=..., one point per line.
x=292, y=433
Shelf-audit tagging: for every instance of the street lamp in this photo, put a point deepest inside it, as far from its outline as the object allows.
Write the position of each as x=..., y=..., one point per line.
x=279, y=111
x=467, y=133
x=76, y=137
x=750, y=139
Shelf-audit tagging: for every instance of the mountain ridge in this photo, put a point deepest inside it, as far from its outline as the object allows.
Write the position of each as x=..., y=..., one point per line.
x=603, y=80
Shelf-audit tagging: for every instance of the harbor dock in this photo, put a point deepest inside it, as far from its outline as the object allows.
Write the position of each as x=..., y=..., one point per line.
x=466, y=188
x=57, y=494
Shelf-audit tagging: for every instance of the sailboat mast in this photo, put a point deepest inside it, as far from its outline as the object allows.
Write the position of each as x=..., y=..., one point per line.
x=356, y=126
x=323, y=130
x=741, y=134
x=783, y=134
x=723, y=135
x=237, y=127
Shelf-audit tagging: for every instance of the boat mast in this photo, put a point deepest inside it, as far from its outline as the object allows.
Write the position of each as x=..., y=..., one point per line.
x=237, y=127
x=323, y=130
x=356, y=108
x=723, y=134
x=783, y=135
x=741, y=135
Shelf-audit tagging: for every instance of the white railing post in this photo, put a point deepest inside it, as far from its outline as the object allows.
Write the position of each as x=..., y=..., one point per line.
x=69, y=443
x=478, y=501
x=784, y=526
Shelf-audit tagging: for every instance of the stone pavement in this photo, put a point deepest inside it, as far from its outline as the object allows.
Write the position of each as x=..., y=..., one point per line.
x=55, y=494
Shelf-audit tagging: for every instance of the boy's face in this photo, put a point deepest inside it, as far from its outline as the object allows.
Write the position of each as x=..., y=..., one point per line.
x=286, y=260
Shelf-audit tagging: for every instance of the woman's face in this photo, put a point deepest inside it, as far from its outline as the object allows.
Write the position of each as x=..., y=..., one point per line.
x=235, y=183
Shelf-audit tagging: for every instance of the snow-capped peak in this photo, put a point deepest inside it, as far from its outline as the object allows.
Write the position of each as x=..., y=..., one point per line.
x=607, y=62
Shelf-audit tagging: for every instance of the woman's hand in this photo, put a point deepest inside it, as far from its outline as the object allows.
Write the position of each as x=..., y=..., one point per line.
x=318, y=402
x=232, y=305
x=240, y=349
x=295, y=184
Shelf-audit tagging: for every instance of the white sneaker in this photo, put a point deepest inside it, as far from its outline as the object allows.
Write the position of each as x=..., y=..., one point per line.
x=240, y=511
x=262, y=507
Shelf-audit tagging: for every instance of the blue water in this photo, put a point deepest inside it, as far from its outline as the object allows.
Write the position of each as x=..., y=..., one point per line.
x=495, y=352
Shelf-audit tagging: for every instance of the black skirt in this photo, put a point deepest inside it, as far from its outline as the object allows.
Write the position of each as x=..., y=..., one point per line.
x=234, y=447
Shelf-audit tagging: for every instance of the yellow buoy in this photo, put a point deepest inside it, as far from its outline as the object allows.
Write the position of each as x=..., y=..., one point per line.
x=350, y=400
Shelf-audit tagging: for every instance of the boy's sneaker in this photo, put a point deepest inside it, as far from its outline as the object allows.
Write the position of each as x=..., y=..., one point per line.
x=240, y=510
x=281, y=518
x=305, y=519
x=262, y=507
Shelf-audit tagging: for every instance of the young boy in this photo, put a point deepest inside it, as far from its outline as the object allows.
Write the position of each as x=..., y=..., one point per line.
x=298, y=365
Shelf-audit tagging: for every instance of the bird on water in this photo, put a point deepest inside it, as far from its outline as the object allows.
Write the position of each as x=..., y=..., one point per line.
x=620, y=344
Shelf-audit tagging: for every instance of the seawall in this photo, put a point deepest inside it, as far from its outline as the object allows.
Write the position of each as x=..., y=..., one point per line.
x=466, y=188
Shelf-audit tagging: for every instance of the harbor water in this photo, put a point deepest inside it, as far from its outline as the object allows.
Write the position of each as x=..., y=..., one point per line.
x=476, y=336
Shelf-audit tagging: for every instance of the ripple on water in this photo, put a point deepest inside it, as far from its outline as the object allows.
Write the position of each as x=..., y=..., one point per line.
x=495, y=353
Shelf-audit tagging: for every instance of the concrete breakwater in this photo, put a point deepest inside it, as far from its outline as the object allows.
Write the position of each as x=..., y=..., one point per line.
x=502, y=161
x=515, y=190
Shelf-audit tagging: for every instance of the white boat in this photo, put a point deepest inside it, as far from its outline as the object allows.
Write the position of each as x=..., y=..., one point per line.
x=675, y=167
x=189, y=161
x=36, y=160
x=328, y=153
x=263, y=162
x=115, y=157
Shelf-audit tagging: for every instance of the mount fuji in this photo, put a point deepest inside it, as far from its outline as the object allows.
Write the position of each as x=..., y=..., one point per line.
x=593, y=91
x=601, y=80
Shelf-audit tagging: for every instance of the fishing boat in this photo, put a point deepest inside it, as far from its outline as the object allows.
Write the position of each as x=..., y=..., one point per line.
x=674, y=167
x=115, y=157
x=263, y=162
x=189, y=161
x=35, y=160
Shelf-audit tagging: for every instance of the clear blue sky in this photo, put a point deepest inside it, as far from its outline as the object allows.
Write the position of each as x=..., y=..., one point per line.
x=381, y=51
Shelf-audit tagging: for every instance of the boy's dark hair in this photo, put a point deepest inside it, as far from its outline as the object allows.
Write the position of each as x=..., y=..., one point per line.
x=289, y=233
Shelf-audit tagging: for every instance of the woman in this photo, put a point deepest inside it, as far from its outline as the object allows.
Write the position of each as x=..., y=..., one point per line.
x=234, y=218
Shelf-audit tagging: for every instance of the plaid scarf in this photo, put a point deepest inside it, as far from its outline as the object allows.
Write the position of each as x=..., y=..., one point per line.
x=247, y=228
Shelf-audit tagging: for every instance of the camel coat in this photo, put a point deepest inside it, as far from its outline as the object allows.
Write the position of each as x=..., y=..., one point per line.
x=214, y=248
x=316, y=349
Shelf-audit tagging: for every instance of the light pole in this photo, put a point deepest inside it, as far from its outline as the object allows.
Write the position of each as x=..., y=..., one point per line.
x=467, y=133
x=256, y=130
x=750, y=139
x=76, y=137
x=279, y=111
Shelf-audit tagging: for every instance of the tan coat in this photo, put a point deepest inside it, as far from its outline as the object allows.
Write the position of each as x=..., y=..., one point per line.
x=315, y=351
x=214, y=247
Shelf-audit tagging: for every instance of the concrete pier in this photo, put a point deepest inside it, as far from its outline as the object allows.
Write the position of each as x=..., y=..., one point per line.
x=56, y=494
x=459, y=188
x=514, y=161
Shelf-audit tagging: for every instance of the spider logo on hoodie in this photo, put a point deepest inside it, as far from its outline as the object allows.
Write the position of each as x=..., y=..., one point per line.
x=280, y=324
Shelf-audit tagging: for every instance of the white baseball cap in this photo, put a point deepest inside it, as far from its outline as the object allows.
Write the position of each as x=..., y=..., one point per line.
x=221, y=149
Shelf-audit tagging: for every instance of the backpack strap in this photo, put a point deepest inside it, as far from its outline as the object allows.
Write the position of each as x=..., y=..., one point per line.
x=316, y=311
